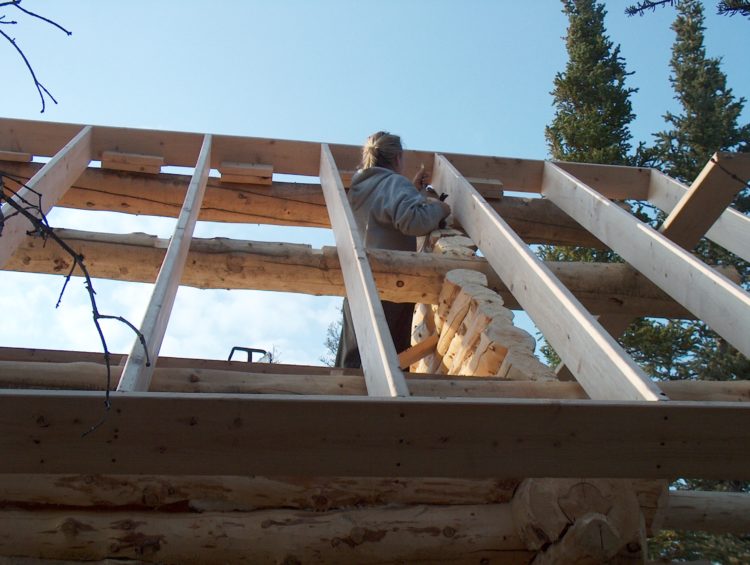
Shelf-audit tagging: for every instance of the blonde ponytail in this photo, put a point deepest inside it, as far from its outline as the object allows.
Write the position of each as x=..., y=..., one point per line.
x=382, y=149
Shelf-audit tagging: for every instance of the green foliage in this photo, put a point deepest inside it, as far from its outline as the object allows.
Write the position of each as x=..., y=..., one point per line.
x=593, y=107
x=672, y=546
x=723, y=7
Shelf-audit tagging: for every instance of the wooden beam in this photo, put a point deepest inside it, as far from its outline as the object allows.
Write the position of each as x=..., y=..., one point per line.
x=713, y=298
x=301, y=157
x=51, y=182
x=83, y=371
x=706, y=200
x=135, y=162
x=536, y=220
x=716, y=512
x=731, y=230
x=602, y=367
x=140, y=366
x=379, y=358
x=417, y=352
x=15, y=156
x=158, y=433
x=379, y=535
x=400, y=276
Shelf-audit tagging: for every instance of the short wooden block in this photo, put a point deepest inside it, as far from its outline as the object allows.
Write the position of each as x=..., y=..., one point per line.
x=491, y=189
x=15, y=156
x=135, y=162
x=246, y=173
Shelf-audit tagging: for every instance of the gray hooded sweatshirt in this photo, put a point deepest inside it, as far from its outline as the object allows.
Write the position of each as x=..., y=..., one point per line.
x=390, y=211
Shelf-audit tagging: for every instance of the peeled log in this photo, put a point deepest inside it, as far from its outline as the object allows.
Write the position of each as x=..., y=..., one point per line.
x=461, y=534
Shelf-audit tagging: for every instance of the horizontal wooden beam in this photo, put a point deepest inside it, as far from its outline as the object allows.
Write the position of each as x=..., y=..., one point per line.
x=379, y=535
x=400, y=276
x=723, y=305
x=536, y=220
x=301, y=157
x=84, y=371
x=717, y=512
x=158, y=433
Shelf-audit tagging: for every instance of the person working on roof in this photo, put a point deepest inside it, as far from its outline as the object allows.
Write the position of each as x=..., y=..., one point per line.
x=390, y=212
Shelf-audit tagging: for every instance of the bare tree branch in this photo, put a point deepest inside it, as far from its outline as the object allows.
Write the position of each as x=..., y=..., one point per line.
x=41, y=89
x=36, y=217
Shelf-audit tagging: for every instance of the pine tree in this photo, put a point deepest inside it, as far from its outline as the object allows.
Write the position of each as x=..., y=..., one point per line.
x=593, y=108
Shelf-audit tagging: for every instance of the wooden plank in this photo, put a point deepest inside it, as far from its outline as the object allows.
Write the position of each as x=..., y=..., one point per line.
x=158, y=433
x=246, y=173
x=713, y=298
x=368, y=536
x=15, y=156
x=84, y=371
x=601, y=365
x=379, y=358
x=139, y=367
x=536, y=220
x=731, y=230
x=417, y=352
x=300, y=157
x=132, y=162
x=706, y=199
x=716, y=512
x=400, y=276
x=51, y=181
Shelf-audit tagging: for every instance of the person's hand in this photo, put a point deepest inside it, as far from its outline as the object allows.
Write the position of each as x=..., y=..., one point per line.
x=422, y=178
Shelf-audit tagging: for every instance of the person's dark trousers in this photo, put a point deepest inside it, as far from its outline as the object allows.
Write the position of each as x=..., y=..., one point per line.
x=399, y=317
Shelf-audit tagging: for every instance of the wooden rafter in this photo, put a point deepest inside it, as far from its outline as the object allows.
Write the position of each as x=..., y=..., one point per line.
x=602, y=367
x=139, y=367
x=379, y=358
x=713, y=298
x=51, y=182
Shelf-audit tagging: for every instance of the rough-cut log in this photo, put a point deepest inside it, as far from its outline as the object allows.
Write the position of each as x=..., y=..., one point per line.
x=228, y=494
x=537, y=220
x=60, y=370
x=400, y=276
x=718, y=512
x=459, y=534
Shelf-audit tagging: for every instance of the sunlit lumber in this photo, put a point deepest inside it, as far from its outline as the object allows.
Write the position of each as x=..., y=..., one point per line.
x=132, y=162
x=379, y=358
x=713, y=298
x=602, y=367
x=140, y=363
x=400, y=276
x=15, y=156
x=246, y=173
x=731, y=230
x=43, y=190
x=417, y=352
x=706, y=200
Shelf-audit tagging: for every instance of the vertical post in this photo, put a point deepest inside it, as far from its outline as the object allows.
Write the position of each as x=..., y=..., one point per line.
x=136, y=376
x=379, y=359
x=51, y=181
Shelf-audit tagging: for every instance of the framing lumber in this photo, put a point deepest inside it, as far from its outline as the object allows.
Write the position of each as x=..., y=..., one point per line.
x=536, y=220
x=379, y=535
x=379, y=358
x=151, y=164
x=709, y=195
x=301, y=157
x=712, y=297
x=139, y=367
x=51, y=181
x=85, y=371
x=717, y=512
x=731, y=230
x=416, y=352
x=600, y=365
x=157, y=433
x=400, y=276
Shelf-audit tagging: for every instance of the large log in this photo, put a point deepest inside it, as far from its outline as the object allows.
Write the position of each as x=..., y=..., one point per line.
x=400, y=276
x=718, y=512
x=536, y=220
x=457, y=534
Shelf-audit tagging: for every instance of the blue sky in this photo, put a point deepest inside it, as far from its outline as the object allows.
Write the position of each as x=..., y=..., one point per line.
x=466, y=77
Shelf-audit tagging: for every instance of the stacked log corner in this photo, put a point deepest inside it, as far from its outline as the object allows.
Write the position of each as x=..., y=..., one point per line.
x=474, y=330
